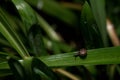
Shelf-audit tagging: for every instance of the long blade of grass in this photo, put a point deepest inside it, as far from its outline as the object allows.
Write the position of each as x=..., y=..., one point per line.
x=47, y=28
x=4, y=56
x=34, y=68
x=4, y=42
x=36, y=41
x=5, y=72
x=4, y=69
x=17, y=69
x=9, y=33
x=95, y=57
x=89, y=28
x=98, y=8
x=54, y=9
x=40, y=66
x=26, y=13
x=4, y=65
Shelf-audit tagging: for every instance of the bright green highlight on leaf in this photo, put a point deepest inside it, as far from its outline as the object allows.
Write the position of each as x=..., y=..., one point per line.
x=26, y=13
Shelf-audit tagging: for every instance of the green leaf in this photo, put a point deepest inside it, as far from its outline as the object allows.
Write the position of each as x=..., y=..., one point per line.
x=55, y=47
x=17, y=69
x=95, y=57
x=5, y=72
x=89, y=28
x=4, y=65
x=4, y=69
x=10, y=34
x=100, y=56
x=54, y=9
x=36, y=41
x=35, y=69
x=27, y=64
x=26, y=13
x=4, y=56
x=4, y=42
x=98, y=8
x=47, y=28
x=38, y=65
x=63, y=46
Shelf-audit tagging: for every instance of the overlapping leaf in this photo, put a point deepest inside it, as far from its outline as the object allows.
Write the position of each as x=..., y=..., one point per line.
x=89, y=28
x=31, y=69
x=26, y=13
x=98, y=8
x=36, y=41
x=10, y=34
x=54, y=9
x=95, y=57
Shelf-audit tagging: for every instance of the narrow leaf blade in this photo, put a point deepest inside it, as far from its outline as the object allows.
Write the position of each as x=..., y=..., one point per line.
x=26, y=13
x=98, y=8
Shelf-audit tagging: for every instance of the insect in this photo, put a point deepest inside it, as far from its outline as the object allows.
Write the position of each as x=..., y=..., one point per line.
x=82, y=53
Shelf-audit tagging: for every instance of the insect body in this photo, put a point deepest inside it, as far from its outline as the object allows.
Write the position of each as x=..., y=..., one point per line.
x=82, y=53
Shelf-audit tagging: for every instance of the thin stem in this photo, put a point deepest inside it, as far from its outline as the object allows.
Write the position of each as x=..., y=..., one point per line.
x=112, y=33
x=66, y=73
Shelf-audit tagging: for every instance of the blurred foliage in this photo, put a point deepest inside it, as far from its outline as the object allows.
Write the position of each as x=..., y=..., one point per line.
x=113, y=11
x=40, y=35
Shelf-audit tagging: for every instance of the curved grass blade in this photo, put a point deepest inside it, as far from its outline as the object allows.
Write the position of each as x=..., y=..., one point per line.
x=36, y=41
x=40, y=66
x=10, y=34
x=98, y=8
x=4, y=56
x=54, y=9
x=4, y=65
x=63, y=46
x=4, y=42
x=5, y=72
x=89, y=28
x=27, y=14
x=95, y=57
x=28, y=69
x=4, y=69
x=36, y=70
x=17, y=69
x=47, y=28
